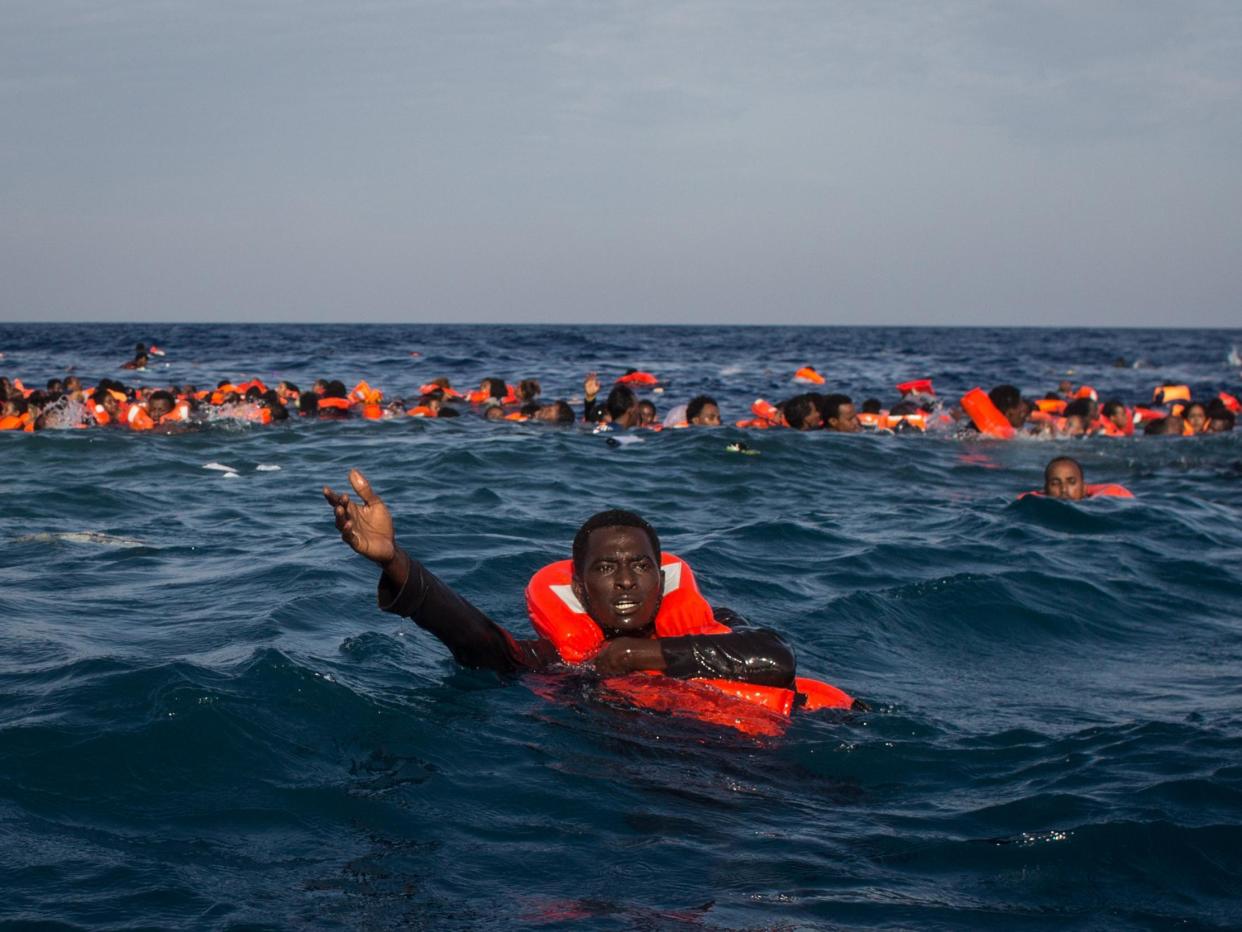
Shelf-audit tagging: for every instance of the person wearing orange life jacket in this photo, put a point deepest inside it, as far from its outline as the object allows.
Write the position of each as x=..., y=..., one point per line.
x=1063, y=478
x=15, y=414
x=616, y=587
x=1196, y=417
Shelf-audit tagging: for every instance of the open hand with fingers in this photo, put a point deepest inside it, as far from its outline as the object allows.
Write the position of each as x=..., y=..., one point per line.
x=367, y=525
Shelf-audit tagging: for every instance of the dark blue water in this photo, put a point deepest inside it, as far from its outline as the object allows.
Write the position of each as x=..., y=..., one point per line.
x=205, y=722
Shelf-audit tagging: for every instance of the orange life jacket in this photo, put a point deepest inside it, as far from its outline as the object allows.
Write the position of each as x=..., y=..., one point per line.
x=1094, y=490
x=433, y=387
x=808, y=376
x=17, y=422
x=987, y=416
x=1051, y=405
x=180, y=412
x=872, y=419
x=366, y=395
x=1086, y=391
x=421, y=411
x=917, y=386
x=480, y=395
x=893, y=421
x=1163, y=394
x=137, y=418
x=766, y=415
x=1231, y=402
x=339, y=404
x=638, y=378
x=557, y=615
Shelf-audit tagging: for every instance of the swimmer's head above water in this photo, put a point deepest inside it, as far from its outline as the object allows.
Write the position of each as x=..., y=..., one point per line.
x=616, y=571
x=1063, y=479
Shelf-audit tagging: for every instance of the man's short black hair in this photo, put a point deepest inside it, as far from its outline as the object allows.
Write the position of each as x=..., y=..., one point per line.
x=832, y=406
x=496, y=386
x=335, y=389
x=620, y=400
x=1005, y=397
x=616, y=517
x=1164, y=425
x=308, y=403
x=165, y=396
x=797, y=408
x=872, y=406
x=1080, y=407
x=1111, y=407
x=564, y=413
x=695, y=406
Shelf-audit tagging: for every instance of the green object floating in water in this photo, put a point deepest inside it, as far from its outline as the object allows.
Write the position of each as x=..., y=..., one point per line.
x=741, y=447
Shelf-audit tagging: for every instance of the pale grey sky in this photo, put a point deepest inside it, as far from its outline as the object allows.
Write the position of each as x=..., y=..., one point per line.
x=686, y=162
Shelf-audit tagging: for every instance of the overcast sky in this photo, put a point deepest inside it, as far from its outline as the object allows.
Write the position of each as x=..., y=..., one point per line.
x=686, y=162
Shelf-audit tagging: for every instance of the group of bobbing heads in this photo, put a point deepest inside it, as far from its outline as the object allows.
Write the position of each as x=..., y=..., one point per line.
x=1078, y=412
x=1002, y=412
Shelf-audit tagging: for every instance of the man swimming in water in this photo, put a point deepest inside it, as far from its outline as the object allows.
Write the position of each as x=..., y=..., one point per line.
x=1063, y=479
x=616, y=577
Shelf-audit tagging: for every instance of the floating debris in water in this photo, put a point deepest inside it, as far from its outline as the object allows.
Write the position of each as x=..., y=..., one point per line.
x=80, y=537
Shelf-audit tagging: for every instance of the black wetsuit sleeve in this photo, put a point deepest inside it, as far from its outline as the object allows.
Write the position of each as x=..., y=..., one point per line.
x=473, y=639
x=755, y=655
x=592, y=410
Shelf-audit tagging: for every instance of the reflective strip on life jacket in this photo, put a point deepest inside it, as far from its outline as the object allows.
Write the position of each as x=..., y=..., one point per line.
x=138, y=419
x=421, y=411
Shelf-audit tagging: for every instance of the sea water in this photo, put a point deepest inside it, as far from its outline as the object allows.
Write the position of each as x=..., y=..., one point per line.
x=205, y=721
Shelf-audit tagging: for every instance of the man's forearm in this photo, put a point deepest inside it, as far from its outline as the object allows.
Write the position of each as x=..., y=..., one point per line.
x=758, y=656
x=409, y=589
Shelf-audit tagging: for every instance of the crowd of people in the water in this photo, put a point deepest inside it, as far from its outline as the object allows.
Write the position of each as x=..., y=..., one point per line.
x=629, y=402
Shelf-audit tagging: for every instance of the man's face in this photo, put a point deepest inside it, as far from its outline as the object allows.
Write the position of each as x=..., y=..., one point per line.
x=708, y=416
x=158, y=407
x=1064, y=480
x=1120, y=418
x=1196, y=417
x=813, y=420
x=546, y=413
x=1016, y=415
x=621, y=583
x=845, y=421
